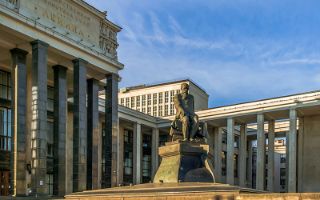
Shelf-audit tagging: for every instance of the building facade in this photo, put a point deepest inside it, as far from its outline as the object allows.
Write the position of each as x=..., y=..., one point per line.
x=157, y=99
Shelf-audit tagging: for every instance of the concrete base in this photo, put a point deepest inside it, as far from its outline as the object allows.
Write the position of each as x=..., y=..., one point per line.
x=165, y=191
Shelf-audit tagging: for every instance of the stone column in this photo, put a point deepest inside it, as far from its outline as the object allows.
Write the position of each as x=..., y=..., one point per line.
x=92, y=134
x=111, y=130
x=292, y=160
x=137, y=153
x=79, y=125
x=155, y=150
x=261, y=151
x=230, y=151
x=300, y=154
x=271, y=134
x=217, y=153
x=39, y=118
x=19, y=110
x=243, y=156
x=250, y=164
x=59, y=130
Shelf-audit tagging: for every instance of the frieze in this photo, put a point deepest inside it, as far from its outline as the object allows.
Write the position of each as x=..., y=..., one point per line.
x=108, y=40
x=12, y=4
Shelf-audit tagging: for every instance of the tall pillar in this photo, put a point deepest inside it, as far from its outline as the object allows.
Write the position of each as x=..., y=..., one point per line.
x=271, y=134
x=250, y=164
x=243, y=156
x=111, y=130
x=79, y=125
x=59, y=130
x=292, y=161
x=92, y=134
x=155, y=150
x=300, y=154
x=137, y=153
x=39, y=118
x=261, y=150
x=19, y=102
x=217, y=153
x=230, y=151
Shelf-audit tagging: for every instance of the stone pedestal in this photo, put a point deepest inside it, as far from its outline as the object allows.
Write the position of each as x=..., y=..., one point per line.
x=184, y=162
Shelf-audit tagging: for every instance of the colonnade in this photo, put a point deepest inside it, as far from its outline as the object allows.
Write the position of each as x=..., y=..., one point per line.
x=85, y=124
x=245, y=150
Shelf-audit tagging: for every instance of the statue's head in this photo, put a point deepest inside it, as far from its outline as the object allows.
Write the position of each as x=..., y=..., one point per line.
x=184, y=88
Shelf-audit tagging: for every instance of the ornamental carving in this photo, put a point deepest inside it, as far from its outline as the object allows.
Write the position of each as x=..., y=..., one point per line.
x=13, y=4
x=108, y=40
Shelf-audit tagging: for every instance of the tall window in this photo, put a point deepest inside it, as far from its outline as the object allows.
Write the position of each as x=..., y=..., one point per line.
x=49, y=183
x=127, y=101
x=171, y=95
x=5, y=85
x=149, y=99
x=177, y=91
x=149, y=110
x=155, y=111
x=154, y=98
x=160, y=111
x=172, y=109
x=166, y=97
x=132, y=102
x=143, y=100
x=146, y=158
x=138, y=101
x=5, y=129
x=166, y=110
x=128, y=157
x=122, y=101
x=160, y=98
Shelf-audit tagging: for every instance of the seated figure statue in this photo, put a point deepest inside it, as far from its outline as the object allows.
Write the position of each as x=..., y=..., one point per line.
x=186, y=121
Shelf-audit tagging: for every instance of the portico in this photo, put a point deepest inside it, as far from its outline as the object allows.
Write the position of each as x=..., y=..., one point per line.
x=54, y=135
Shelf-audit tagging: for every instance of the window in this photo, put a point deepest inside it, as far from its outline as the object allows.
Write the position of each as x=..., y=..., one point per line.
x=282, y=172
x=122, y=101
x=138, y=101
x=149, y=110
x=160, y=111
x=5, y=129
x=236, y=141
x=155, y=111
x=177, y=91
x=49, y=183
x=235, y=167
x=50, y=99
x=132, y=102
x=5, y=85
x=127, y=101
x=50, y=139
x=143, y=110
x=166, y=109
x=146, y=158
x=154, y=98
x=143, y=100
x=160, y=98
x=172, y=109
x=149, y=99
x=223, y=163
x=166, y=97
x=224, y=138
x=128, y=157
x=171, y=95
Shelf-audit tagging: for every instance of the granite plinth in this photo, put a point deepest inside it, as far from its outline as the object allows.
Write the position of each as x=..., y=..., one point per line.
x=167, y=191
x=184, y=162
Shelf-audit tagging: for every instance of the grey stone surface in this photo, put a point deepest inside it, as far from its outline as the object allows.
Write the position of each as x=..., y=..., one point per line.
x=292, y=150
x=261, y=152
x=39, y=118
x=137, y=153
x=230, y=151
x=271, y=135
x=59, y=130
x=111, y=130
x=243, y=156
x=79, y=125
x=92, y=134
x=217, y=153
x=19, y=102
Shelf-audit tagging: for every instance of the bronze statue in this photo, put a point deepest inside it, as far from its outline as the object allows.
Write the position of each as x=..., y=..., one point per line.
x=186, y=121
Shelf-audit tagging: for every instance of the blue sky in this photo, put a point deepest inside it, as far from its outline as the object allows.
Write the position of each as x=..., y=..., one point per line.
x=238, y=51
